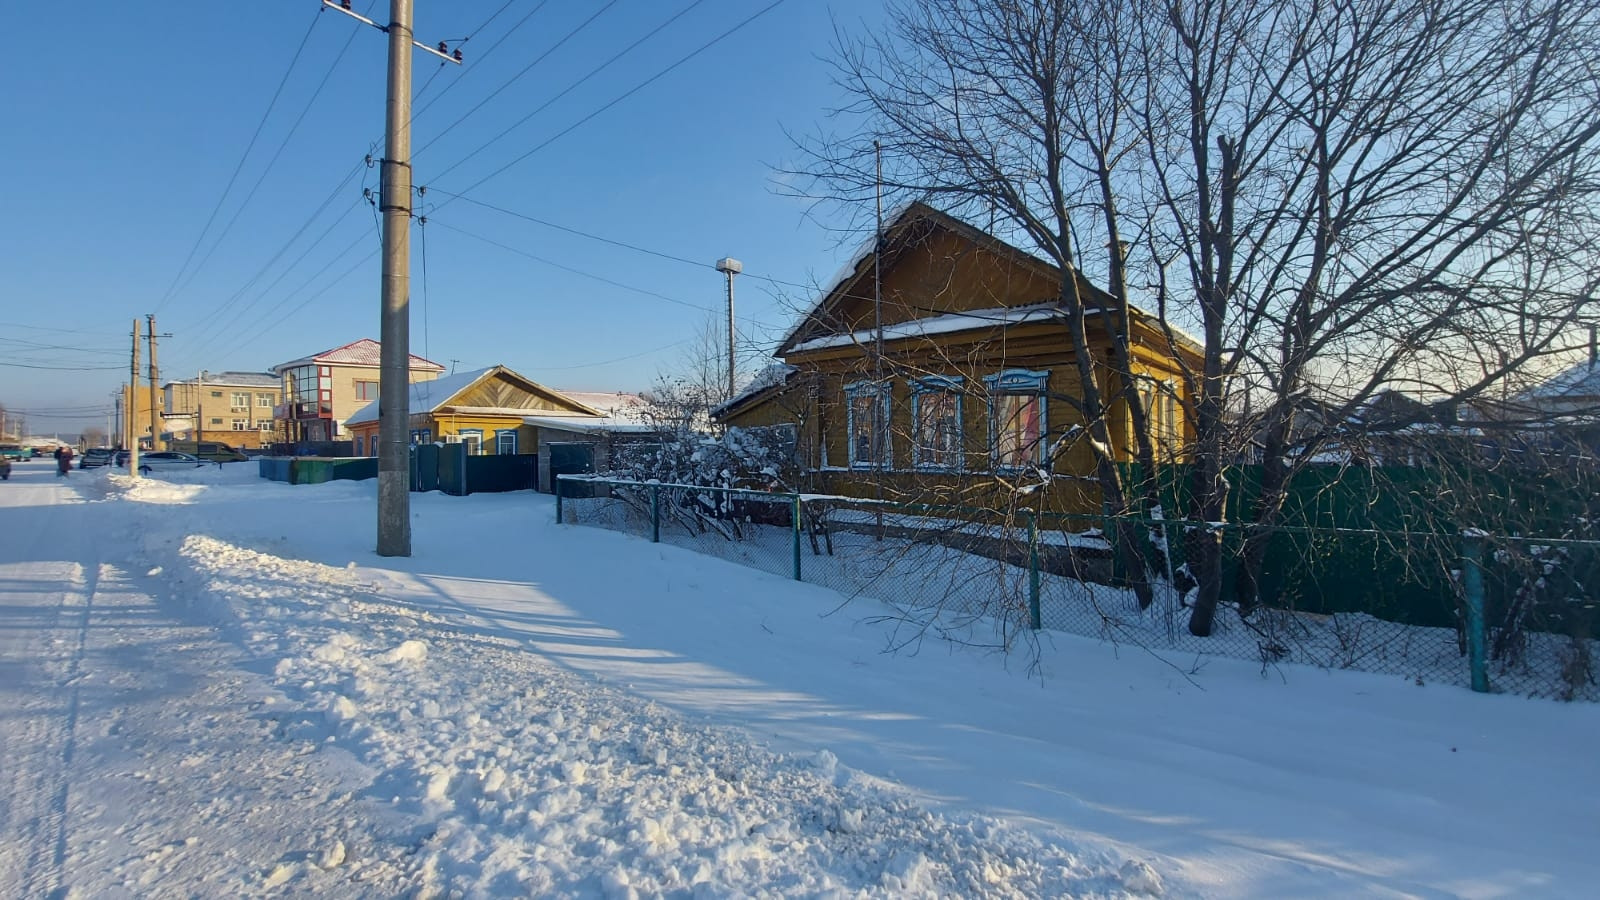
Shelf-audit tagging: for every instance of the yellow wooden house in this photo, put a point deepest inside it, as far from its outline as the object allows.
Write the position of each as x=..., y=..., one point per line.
x=972, y=392
x=485, y=409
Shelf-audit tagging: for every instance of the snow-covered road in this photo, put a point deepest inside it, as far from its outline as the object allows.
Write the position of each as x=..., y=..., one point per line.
x=212, y=687
x=138, y=755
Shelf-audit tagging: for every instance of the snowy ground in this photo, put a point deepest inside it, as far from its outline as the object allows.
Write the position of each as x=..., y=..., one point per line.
x=210, y=686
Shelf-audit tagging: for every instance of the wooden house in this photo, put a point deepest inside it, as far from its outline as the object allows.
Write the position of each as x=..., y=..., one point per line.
x=485, y=409
x=972, y=392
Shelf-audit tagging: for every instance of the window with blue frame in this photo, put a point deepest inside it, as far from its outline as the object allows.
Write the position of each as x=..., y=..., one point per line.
x=505, y=442
x=1017, y=421
x=422, y=436
x=868, y=425
x=936, y=435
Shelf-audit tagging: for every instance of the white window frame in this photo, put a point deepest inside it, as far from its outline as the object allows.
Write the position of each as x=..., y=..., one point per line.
x=936, y=385
x=885, y=450
x=263, y=401
x=238, y=399
x=473, y=438
x=501, y=436
x=1018, y=383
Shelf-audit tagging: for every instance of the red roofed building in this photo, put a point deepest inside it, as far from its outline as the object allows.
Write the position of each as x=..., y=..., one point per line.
x=321, y=391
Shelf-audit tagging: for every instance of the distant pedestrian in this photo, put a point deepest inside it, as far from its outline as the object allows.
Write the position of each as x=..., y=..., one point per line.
x=63, y=461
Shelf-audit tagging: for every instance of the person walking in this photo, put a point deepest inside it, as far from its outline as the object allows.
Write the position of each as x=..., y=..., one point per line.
x=63, y=461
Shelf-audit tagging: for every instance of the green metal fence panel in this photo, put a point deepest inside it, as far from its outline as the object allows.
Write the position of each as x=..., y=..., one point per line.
x=453, y=470
x=425, y=467
x=501, y=473
x=1386, y=601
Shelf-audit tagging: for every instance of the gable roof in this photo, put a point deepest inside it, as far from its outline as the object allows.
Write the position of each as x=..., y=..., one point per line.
x=1579, y=381
x=432, y=396
x=364, y=352
x=912, y=224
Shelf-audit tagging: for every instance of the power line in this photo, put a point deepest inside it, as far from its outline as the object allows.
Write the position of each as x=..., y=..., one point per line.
x=249, y=283
x=513, y=79
x=279, y=152
x=628, y=93
x=479, y=58
x=659, y=254
x=21, y=365
x=571, y=87
x=575, y=271
x=271, y=104
x=607, y=362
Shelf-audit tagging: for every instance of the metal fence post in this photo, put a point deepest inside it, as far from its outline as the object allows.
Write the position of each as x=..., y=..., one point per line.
x=1472, y=541
x=1033, y=569
x=558, y=499
x=655, y=513
x=795, y=535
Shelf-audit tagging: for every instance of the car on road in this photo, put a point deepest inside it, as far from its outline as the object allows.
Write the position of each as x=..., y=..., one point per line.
x=212, y=451
x=165, y=460
x=15, y=451
x=95, y=457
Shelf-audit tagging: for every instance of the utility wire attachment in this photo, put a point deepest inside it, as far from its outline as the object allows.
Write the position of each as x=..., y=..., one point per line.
x=441, y=52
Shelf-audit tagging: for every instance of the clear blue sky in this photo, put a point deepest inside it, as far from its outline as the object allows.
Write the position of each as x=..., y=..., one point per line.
x=124, y=123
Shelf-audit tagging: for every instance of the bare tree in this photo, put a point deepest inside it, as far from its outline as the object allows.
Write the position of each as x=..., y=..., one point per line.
x=1339, y=196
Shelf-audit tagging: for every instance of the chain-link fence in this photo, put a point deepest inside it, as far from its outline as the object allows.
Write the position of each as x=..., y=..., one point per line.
x=1511, y=614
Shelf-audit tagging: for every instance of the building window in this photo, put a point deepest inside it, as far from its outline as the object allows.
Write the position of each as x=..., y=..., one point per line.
x=217, y=394
x=366, y=390
x=868, y=428
x=216, y=421
x=238, y=400
x=473, y=438
x=263, y=401
x=936, y=422
x=1160, y=400
x=1017, y=425
x=505, y=442
x=422, y=436
x=241, y=424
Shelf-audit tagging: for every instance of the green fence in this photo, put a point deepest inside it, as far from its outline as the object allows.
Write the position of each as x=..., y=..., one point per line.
x=1484, y=611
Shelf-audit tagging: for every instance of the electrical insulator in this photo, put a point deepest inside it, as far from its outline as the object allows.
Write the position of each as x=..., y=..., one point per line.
x=345, y=3
x=443, y=48
x=458, y=54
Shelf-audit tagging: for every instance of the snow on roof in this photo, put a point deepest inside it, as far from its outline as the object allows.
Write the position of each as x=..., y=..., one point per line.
x=592, y=424
x=618, y=404
x=426, y=396
x=365, y=352
x=771, y=376
x=233, y=379
x=952, y=323
x=1582, y=380
x=429, y=396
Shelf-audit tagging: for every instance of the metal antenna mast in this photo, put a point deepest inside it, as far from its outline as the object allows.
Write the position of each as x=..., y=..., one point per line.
x=394, y=369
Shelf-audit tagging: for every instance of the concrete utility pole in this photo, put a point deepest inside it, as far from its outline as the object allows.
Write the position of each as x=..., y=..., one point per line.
x=730, y=267
x=133, y=406
x=156, y=423
x=394, y=332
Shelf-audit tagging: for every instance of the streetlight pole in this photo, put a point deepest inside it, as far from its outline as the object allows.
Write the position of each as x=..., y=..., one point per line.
x=730, y=267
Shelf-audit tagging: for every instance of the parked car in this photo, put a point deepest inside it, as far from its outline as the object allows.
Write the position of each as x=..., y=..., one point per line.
x=164, y=460
x=214, y=451
x=95, y=457
x=14, y=451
